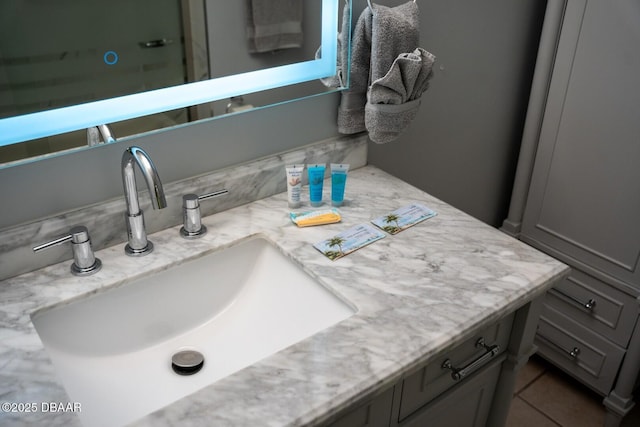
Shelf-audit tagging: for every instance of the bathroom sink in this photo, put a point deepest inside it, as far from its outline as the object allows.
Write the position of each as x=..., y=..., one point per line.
x=113, y=350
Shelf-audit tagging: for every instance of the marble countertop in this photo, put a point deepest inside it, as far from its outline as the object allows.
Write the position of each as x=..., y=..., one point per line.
x=416, y=293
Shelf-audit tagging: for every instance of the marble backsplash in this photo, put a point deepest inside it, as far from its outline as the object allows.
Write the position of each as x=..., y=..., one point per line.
x=246, y=183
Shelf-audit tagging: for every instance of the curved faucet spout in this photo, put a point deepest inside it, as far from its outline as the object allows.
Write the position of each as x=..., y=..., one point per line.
x=138, y=244
x=136, y=155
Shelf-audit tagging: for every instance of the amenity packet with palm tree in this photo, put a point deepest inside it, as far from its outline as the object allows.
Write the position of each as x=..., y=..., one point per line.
x=348, y=241
x=403, y=218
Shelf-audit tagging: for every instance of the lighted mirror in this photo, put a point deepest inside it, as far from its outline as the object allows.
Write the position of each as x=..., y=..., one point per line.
x=187, y=45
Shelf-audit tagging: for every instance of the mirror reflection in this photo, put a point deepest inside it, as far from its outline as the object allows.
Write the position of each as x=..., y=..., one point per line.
x=64, y=53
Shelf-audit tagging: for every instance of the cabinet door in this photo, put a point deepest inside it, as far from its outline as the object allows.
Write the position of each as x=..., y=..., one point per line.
x=375, y=412
x=584, y=201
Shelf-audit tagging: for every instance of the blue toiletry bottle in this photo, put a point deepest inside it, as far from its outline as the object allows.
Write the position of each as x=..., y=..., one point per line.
x=316, y=181
x=338, y=182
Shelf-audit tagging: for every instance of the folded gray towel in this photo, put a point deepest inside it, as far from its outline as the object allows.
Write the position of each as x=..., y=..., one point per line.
x=393, y=100
x=385, y=122
x=378, y=38
x=273, y=24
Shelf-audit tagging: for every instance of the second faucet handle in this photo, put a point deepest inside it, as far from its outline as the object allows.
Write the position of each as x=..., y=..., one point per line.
x=192, y=226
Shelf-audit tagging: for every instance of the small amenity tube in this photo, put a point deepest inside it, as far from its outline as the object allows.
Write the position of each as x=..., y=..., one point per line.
x=316, y=179
x=338, y=181
x=294, y=185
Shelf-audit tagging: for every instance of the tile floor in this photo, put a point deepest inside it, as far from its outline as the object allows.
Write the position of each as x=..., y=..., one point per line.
x=547, y=397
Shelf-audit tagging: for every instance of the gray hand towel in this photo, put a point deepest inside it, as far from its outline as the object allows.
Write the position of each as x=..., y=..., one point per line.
x=394, y=99
x=351, y=110
x=273, y=24
x=379, y=37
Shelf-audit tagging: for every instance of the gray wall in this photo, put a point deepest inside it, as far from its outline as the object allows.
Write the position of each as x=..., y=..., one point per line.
x=461, y=148
x=463, y=145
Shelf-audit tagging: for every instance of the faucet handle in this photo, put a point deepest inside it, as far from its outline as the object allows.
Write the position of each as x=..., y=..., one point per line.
x=192, y=226
x=84, y=262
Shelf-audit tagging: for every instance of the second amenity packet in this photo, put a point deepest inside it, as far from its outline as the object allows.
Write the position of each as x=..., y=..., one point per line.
x=403, y=218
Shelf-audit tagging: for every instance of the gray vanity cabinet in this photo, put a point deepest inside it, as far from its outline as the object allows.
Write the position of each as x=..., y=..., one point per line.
x=583, y=203
x=486, y=363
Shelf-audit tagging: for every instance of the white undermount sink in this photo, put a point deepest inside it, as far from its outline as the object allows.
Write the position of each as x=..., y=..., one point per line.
x=113, y=350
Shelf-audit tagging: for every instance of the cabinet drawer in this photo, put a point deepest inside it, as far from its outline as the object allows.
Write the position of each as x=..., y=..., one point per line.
x=421, y=387
x=582, y=353
x=466, y=406
x=596, y=305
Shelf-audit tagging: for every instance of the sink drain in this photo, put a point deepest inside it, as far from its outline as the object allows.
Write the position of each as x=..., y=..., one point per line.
x=187, y=362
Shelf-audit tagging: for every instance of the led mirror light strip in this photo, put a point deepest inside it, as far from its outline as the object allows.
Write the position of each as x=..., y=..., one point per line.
x=82, y=116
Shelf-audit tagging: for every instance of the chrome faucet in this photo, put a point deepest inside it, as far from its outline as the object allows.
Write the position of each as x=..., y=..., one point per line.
x=94, y=134
x=138, y=244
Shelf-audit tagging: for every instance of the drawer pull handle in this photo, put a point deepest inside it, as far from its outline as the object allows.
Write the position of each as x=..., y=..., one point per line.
x=573, y=353
x=589, y=305
x=459, y=373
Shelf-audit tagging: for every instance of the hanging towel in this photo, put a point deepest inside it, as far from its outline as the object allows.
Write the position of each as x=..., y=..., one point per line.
x=393, y=31
x=273, y=24
x=394, y=99
x=378, y=38
x=385, y=52
x=351, y=110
